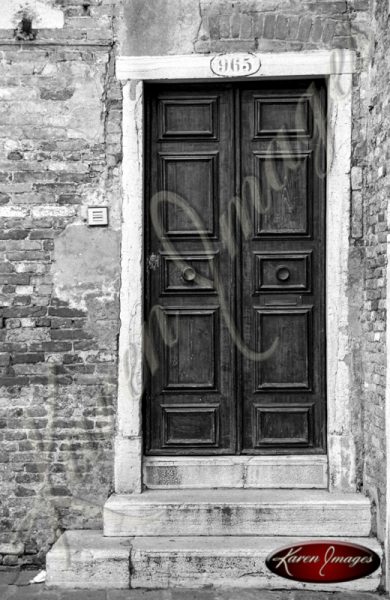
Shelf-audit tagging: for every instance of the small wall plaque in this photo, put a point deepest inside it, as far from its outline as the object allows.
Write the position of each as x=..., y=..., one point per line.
x=235, y=65
x=97, y=215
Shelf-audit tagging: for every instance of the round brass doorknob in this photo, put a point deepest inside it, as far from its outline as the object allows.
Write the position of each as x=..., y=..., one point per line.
x=188, y=274
x=283, y=274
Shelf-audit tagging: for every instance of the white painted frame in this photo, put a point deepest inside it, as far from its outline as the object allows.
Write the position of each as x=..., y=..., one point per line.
x=337, y=67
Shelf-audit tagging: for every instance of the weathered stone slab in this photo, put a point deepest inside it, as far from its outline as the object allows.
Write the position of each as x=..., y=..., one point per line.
x=220, y=512
x=167, y=472
x=84, y=559
x=237, y=562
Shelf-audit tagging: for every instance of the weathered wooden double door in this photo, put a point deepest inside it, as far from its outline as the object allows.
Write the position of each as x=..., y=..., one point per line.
x=235, y=268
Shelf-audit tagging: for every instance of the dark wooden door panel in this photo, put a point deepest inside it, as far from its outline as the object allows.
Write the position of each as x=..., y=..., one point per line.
x=196, y=333
x=194, y=178
x=276, y=426
x=207, y=392
x=191, y=402
x=193, y=116
x=283, y=267
x=281, y=272
x=286, y=192
x=276, y=116
x=289, y=366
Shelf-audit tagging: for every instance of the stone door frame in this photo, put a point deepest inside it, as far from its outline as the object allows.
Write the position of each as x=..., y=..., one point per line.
x=336, y=67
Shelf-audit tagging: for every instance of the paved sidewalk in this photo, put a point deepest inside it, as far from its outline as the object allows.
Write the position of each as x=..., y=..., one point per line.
x=14, y=586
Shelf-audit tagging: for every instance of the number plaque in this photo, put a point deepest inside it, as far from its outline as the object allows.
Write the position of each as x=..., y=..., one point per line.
x=235, y=65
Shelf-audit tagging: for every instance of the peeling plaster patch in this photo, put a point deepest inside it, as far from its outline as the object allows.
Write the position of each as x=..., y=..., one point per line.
x=159, y=27
x=86, y=263
x=83, y=120
x=43, y=14
x=85, y=106
x=80, y=89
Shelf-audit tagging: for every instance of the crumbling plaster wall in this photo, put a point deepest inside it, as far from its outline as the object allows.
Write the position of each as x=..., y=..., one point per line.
x=60, y=151
x=184, y=26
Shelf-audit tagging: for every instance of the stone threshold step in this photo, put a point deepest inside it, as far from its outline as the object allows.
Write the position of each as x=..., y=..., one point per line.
x=86, y=559
x=181, y=472
x=215, y=512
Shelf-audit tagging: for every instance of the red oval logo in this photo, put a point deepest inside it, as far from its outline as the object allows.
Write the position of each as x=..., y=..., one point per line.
x=323, y=561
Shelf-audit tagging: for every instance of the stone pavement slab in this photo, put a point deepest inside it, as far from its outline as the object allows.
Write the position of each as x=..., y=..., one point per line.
x=38, y=592
x=14, y=586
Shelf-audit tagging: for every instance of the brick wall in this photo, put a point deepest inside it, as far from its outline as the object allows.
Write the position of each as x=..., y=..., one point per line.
x=60, y=151
x=275, y=25
x=184, y=26
x=376, y=182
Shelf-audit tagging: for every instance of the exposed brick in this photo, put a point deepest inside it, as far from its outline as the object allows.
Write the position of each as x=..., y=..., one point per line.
x=8, y=289
x=213, y=26
x=269, y=27
x=293, y=26
x=357, y=215
x=10, y=560
x=48, y=245
x=235, y=22
x=30, y=357
x=39, y=234
x=6, y=267
x=22, y=301
x=12, y=381
x=28, y=255
x=43, y=322
x=57, y=346
x=60, y=491
x=329, y=31
x=37, y=468
x=246, y=27
x=24, y=312
x=4, y=198
x=65, y=312
x=224, y=26
x=23, y=491
x=59, y=94
x=28, y=478
x=281, y=29
x=4, y=359
x=356, y=178
x=68, y=334
x=14, y=278
x=23, y=245
x=13, y=234
x=305, y=26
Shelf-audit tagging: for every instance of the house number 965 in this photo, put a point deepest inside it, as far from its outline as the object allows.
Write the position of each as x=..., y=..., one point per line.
x=234, y=65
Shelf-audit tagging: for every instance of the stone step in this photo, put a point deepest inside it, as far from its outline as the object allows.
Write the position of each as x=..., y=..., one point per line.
x=180, y=472
x=86, y=559
x=219, y=512
x=234, y=562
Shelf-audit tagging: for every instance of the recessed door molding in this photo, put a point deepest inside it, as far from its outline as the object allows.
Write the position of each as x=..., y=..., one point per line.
x=337, y=67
